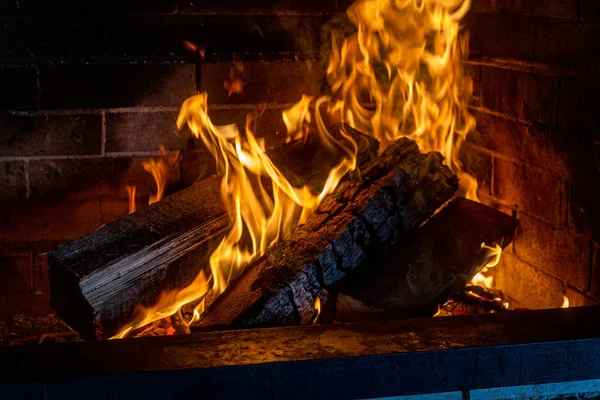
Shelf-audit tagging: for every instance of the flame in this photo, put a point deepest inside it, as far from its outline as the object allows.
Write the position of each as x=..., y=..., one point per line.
x=235, y=82
x=131, y=195
x=317, y=309
x=493, y=254
x=160, y=169
x=565, y=302
x=399, y=75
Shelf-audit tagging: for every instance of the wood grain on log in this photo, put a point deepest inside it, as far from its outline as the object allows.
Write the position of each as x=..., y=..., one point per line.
x=394, y=194
x=97, y=280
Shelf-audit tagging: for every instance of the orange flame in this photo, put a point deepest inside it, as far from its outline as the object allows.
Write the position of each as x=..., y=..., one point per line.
x=317, y=309
x=160, y=169
x=131, y=189
x=399, y=75
x=235, y=83
x=565, y=302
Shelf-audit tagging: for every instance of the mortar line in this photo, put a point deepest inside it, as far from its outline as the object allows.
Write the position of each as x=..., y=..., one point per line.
x=90, y=156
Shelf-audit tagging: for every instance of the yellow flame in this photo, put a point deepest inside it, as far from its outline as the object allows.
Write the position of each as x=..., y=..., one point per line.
x=493, y=254
x=317, y=309
x=399, y=75
x=565, y=302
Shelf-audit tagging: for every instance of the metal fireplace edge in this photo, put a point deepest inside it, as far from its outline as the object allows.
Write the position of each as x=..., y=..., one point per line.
x=448, y=356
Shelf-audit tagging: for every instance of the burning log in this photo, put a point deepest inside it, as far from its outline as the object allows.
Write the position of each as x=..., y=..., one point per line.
x=97, y=281
x=422, y=272
x=392, y=195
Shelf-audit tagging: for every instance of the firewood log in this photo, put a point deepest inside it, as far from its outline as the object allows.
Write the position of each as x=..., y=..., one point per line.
x=421, y=272
x=392, y=195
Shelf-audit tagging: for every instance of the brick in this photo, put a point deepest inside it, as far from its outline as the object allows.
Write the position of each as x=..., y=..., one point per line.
x=50, y=135
x=499, y=134
x=578, y=299
x=542, y=8
x=589, y=10
x=578, y=112
x=479, y=166
x=41, y=279
x=31, y=305
x=520, y=94
x=503, y=35
x=569, y=43
x=16, y=274
x=528, y=189
x=527, y=285
x=111, y=209
x=555, y=251
x=484, y=7
x=12, y=179
x=144, y=131
x=48, y=221
x=95, y=86
x=263, y=7
x=583, y=211
x=89, y=178
x=265, y=82
x=18, y=88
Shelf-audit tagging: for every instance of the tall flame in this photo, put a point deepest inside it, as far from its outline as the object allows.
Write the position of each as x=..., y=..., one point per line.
x=399, y=75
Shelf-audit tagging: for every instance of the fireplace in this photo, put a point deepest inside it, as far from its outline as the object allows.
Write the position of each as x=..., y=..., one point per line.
x=91, y=94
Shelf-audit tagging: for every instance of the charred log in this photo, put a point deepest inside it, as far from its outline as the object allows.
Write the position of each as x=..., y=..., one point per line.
x=392, y=195
x=422, y=272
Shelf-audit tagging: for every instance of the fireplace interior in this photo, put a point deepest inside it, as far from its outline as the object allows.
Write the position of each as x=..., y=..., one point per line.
x=91, y=95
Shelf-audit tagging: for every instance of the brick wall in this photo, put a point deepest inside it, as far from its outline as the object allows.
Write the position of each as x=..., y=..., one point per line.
x=537, y=145
x=89, y=91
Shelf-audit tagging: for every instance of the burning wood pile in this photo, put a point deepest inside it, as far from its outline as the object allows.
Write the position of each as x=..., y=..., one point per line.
x=372, y=225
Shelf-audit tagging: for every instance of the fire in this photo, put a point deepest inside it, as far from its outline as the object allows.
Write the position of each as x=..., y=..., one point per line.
x=399, y=75
x=492, y=254
x=565, y=302
x=405, y=60
x=160, y=168
x=235, y=83
x=317, y=309
x=131, y=189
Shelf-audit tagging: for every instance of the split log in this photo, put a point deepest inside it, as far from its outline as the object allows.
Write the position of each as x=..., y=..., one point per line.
x=422, y=272
x=97, y=281
x=394, y=194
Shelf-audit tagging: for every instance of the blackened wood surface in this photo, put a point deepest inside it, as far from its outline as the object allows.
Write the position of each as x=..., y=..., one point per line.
x=96, y=281
x=367, y=360
x=394, y=194
x=414, y=276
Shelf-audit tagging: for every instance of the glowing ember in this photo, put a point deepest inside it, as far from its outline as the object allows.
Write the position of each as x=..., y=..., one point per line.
x=399, y=75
